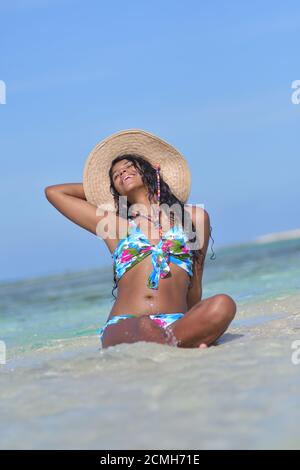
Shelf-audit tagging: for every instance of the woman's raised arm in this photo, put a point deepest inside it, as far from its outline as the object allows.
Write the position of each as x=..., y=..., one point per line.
x=69, y=199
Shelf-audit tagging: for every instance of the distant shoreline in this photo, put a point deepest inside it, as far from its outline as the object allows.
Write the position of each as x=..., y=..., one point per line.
x=277, y=236
x=263, y=239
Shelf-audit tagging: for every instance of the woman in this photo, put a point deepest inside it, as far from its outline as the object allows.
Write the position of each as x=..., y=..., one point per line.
x=130, y=180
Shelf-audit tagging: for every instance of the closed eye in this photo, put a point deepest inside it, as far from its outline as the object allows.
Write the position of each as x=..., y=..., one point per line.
x=126, y=167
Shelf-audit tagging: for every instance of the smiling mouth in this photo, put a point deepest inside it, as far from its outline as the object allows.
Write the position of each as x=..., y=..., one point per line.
x=127, y=178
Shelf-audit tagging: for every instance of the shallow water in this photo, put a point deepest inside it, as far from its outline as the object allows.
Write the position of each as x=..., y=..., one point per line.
x=59, y=390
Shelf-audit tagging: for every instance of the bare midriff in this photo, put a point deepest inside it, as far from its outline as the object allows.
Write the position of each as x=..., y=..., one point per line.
x=135, y=298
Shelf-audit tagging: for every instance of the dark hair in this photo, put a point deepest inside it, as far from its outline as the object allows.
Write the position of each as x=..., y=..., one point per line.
x=148, y=175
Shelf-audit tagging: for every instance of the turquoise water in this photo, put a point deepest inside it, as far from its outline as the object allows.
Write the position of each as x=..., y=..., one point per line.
x=241, y=393
x=35, y=311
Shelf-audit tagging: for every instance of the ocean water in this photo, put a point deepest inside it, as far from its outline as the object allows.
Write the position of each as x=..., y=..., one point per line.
x=59, y=390
x=68, y=305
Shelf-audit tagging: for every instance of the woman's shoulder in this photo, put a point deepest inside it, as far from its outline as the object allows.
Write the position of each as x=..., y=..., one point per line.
x=197, y=213
x=112, y=228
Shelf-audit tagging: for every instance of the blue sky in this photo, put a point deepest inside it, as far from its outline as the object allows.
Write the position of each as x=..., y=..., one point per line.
x=212, y=78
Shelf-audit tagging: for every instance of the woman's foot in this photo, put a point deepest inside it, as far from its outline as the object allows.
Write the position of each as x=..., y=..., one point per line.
x=203, y=345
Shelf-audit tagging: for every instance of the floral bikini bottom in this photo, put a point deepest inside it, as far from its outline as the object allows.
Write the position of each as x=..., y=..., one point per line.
x=162, y=319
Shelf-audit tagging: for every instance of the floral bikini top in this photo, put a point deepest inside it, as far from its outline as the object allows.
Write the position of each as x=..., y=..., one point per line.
x=171, y=248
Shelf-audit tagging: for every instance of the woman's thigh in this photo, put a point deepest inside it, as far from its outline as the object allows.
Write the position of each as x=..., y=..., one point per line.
x=205, y=322
x=132, y=330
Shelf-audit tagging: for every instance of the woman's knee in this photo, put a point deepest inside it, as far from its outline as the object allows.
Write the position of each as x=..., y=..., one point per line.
x=224, y=305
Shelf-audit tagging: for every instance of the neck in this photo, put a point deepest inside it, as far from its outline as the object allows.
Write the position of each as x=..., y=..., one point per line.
x=141, y=202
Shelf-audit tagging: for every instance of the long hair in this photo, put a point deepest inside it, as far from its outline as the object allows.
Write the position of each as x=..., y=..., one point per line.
x=148, y=175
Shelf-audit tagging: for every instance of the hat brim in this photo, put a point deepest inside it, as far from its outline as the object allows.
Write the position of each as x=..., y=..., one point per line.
x=174, y=167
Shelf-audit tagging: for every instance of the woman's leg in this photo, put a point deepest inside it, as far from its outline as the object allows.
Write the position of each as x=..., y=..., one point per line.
x=205, y=322
x=202, y=324
x=132, y=330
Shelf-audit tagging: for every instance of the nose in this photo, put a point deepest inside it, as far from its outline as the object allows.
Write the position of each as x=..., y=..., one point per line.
x=126, y=171
x=121, y=173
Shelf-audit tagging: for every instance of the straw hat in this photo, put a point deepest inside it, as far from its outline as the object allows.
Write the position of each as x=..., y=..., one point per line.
x=173, y=166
